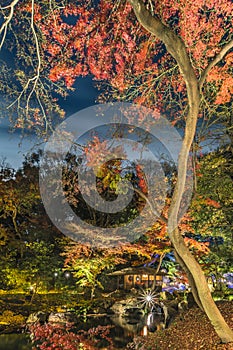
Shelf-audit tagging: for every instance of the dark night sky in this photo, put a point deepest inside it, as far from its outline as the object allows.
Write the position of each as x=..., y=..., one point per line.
x=13, y=147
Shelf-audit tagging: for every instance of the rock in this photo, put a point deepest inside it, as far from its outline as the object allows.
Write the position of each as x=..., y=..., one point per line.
x=133, y=312
x=62, y=317
x=128, y=312
x=132, y=326
x=173, y=304
x=120, y=307
x=36, y=317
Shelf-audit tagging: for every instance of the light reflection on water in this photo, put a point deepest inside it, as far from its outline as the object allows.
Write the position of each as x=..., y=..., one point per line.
x=122, y=333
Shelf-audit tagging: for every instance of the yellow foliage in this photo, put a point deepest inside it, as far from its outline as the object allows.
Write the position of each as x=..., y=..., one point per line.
x=8, y=317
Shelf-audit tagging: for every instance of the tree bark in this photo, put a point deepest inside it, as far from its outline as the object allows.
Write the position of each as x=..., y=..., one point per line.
x=176, y=47
x=191, y=280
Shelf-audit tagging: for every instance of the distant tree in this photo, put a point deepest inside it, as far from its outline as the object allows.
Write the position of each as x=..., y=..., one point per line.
x=29, y=243
x=211, y=209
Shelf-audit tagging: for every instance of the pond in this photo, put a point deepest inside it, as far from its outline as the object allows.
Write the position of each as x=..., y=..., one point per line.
x=15, y=342
x=122, y=332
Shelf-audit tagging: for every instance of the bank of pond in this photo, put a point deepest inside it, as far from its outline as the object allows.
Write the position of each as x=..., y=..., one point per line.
x=121, y=332
x=116, y=320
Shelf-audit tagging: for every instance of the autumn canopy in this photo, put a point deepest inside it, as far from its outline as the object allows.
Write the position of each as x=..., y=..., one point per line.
x=174, y=57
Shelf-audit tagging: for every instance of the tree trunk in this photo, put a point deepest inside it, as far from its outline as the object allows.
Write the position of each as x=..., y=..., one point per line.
x=202, y=288
x=176, y=47
x=191, y=280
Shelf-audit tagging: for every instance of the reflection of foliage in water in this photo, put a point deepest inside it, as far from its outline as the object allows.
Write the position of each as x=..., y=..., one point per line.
x=15, y=341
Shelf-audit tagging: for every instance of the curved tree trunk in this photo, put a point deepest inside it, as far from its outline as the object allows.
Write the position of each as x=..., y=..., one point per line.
x=202, y=289
x=191, y=280
x=176, y=47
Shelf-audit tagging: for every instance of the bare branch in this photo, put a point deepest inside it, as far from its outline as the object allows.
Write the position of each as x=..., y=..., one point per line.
x=8, y=18
x=152, y=206
x=36, y=77
x=215, y=61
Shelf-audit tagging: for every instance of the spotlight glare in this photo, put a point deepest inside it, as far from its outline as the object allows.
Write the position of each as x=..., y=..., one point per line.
x=147, y=298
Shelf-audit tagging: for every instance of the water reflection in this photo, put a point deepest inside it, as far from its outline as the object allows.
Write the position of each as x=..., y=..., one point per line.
x=123, y=331
x=125, y=328
x=131, y=326
x=15, y=342
x=155, y=322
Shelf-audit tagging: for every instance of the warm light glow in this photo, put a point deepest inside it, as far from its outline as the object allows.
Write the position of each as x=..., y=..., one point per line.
x=67, y=275
x=149, y=320
x=148, y=298
x=144, y=332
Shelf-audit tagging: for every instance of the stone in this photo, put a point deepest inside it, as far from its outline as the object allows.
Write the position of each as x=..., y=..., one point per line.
x=37, y=317
x=62, y=317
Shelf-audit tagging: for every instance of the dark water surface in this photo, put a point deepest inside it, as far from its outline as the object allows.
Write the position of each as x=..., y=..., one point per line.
x=122, y=333
x=15, y=342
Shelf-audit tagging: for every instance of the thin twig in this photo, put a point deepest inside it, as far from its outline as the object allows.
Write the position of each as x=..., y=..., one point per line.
x=215, y=61
x=36, y=77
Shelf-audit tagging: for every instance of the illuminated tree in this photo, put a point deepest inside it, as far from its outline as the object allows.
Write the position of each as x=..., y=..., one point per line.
x=174, y=57
x=28, y=242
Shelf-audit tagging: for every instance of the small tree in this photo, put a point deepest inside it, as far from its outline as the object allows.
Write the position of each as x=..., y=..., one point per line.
x=87, y=271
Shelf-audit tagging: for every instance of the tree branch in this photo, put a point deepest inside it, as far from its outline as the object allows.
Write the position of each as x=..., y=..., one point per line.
x=152, y=206
x=174, y=44
x=36, y=77
x=8, y=18
x=215, y=61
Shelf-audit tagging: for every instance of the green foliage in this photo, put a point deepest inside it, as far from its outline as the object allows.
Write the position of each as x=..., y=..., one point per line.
x=28, y=243
x=15, y=278
x=212, y=209
x=212, y=205
x=87, y=270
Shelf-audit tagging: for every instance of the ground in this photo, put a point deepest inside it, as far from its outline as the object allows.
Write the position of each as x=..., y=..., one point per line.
x=194, y=332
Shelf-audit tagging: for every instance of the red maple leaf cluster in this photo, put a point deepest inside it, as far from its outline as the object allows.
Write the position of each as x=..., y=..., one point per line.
x=107, y=41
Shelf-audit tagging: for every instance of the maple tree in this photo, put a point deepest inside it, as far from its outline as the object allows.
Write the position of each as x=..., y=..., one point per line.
x=174, y=57
x=87, y=263
x=109, y=176
x=135, y=64
x=50, y=336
